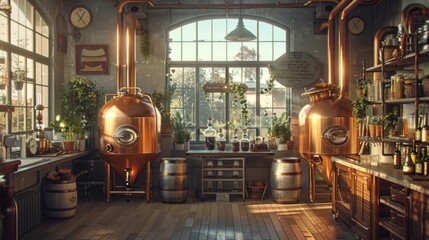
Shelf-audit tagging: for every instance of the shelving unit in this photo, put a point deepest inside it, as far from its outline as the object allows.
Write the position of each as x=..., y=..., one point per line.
x=223, y=177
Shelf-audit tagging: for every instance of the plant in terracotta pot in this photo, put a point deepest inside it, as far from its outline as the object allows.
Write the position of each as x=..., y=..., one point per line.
x=80, y=105
x=280, y=129
x=362, y=85
x=391, y=122
x=360, y=106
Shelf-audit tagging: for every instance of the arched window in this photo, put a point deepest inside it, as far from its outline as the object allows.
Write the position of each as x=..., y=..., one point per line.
x=199, y=54
x=24, y=61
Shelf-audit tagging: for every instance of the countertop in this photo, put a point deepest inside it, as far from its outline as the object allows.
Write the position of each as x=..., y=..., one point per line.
x=387, y=172
x=38, y=162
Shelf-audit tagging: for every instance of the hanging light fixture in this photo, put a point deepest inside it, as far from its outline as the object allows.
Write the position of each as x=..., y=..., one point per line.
x=240, y=33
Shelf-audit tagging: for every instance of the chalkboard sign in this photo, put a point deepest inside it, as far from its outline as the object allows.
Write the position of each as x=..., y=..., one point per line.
x=296, y=69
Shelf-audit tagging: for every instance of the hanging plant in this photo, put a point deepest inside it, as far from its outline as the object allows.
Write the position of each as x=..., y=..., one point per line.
x=270, y=82
x=240, y=98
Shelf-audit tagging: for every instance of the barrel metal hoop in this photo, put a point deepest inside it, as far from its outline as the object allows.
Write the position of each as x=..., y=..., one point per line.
x=173, y=174
x=60, y=209
x=61, y=191
x=287, y=173
x=293, y=160
x=174, y=161
x=295, y=188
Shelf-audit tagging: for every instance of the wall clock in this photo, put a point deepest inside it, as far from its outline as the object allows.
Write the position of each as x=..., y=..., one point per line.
x=356, y=25
x=80, y=17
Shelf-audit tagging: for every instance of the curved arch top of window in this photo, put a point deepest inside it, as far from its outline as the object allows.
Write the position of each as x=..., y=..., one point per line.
x=203, y=40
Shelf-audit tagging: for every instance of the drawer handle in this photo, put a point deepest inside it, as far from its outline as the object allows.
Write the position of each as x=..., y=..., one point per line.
x=360, y=224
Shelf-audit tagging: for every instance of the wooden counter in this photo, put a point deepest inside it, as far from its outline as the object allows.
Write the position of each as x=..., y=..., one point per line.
x=387, y=172
x=217, y=153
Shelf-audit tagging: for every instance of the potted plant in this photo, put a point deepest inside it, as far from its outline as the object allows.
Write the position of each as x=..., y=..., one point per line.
x=181, y=133
x=80, y=105
x=362, y=84
x=280, y=129
x=391, y=122
x=360, y=106
x=18, y=77
x=163, y=101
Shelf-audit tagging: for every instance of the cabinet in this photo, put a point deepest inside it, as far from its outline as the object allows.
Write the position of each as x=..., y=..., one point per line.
x=362, y=198
x=223, y=176
x=342, y=194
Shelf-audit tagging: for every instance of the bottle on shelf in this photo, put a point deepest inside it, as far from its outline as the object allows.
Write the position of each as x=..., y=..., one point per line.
x=210, y=135
x=219, y=186
x=221, y=141
x=245, y=142
x=413, y=152
x=210, y=186
x=408, y=167
x=425, y=162
x=419, y=165
x=419, y=129
x=397, y=157
x=235, y=186
x=425, y=130
x=235, y=142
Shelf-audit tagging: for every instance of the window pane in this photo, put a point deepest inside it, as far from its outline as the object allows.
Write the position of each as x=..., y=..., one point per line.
x=279, y=34
x=4, y=28
x=234, y=51
x=248, y=51
x=266, y=51
x=189, y=32
x=176, y=34
x=45, y=46
x=204, y=52
x=219, y=32
x=176, y=51
x=45, y=98
x=220, y=53
x=18, y=119
x=279, y=49
x=189, y=51
x=265, y=32
x=205, y=31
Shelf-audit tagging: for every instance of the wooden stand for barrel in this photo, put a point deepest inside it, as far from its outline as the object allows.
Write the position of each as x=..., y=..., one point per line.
x=286, y=180
x=173, y=180
x=60, y=199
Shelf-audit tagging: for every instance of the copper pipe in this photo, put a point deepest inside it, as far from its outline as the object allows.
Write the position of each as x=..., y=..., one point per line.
x=122, y=4
x=319, y=1
x=331, y=39
x=132, y=25
x=227, y=6
x=378, y=37
x=344, y=49
x=119, y=61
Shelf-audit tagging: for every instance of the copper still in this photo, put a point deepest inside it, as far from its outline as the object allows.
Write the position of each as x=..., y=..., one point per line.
x=129, y=123
x=326, y=124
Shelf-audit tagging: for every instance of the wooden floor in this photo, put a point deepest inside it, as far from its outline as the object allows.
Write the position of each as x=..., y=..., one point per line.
x=237, y=219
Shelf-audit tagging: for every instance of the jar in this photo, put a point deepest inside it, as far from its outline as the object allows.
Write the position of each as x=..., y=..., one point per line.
x=397, y=87
x=410, y=90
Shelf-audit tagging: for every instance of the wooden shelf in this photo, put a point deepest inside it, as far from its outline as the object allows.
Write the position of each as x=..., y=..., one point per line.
x=393, y=228
x=386, y=201
x=394, y=64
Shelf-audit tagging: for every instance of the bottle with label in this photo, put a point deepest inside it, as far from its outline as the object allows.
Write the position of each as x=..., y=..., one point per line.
x=425, y=162
x=221, y=141
x=419, y=129
x=413, y=152
x=210, y=135
x=235, y=143
x=425, y=130
x=397, y=157
x=245, y=142
x=419, y=165
x=408, y=168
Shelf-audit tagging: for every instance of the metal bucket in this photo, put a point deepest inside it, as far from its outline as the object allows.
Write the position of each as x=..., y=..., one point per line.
x=173, y=180
x=61, y=199
x=286, y=180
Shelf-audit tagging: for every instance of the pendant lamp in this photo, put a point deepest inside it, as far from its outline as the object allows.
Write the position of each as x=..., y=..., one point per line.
x=240, y=33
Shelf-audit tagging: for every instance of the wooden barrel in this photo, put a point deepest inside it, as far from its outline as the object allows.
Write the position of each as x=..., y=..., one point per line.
x=60, y=199
x=286, y=179
x=173, y=180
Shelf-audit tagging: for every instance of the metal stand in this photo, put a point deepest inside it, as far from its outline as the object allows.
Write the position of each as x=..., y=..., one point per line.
x=127, y=190
x=312, y=183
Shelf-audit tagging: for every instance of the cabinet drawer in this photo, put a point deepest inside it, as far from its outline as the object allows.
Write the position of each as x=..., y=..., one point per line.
x=397, y=194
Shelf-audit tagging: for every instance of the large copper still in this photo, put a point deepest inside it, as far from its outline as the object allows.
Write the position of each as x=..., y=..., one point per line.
x=129, y=123
x=326, y=124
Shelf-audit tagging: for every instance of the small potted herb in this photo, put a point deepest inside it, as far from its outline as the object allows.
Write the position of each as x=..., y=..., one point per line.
x=280, y=129
x=362, y=85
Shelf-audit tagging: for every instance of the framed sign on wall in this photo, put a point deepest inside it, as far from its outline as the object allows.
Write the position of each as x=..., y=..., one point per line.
x=92, y=59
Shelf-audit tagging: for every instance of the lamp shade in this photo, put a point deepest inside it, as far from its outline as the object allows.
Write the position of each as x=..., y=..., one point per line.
x=240, y=33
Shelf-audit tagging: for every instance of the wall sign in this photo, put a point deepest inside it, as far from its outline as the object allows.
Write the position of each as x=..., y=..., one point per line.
x=92, y=59
x=296, y=69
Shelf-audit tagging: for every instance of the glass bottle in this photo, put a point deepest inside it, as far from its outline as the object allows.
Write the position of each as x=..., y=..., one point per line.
x=408, y=168
x=419, y=129
x=425, y=130
x=425, y=162
x=210, y=135
x=235, y=142
x=413, y=152
x=397, y=157
x=219, y=186
x=210, y=186
x=235, y=186
x=245, y=142
x=221, y=141
x=419, y=165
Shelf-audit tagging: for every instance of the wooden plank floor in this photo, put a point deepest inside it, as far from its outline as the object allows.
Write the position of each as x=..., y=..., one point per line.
x=237, y=219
